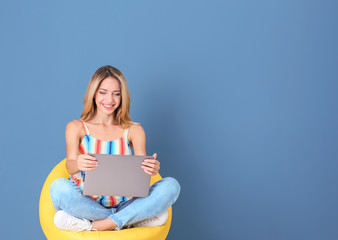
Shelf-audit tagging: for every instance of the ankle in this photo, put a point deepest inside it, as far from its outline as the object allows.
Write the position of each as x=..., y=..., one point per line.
x=104, y=225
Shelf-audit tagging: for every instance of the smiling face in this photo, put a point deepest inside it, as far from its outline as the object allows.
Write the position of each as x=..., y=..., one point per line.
x=108, y=96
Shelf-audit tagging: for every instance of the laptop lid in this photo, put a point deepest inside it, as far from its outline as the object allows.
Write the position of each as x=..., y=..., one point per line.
x=117, y=175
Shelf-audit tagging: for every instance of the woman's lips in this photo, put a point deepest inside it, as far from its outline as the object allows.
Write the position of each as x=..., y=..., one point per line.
x=108, y=106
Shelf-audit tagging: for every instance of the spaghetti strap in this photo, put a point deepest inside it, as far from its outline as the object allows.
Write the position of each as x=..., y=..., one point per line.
x=126, y=133
x=85, y=127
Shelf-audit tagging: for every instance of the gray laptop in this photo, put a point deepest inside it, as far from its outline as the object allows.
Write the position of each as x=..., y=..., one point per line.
x=117, y=175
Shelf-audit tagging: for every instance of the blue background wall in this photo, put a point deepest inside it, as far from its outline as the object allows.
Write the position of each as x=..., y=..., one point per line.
x=238, y=98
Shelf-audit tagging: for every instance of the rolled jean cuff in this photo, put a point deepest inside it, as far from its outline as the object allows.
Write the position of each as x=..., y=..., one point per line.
x=118, y=222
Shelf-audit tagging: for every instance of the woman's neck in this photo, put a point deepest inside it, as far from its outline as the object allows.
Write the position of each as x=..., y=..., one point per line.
x=103, y=119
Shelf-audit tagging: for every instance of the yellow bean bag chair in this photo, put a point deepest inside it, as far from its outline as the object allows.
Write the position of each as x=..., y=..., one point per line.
x=47, y=212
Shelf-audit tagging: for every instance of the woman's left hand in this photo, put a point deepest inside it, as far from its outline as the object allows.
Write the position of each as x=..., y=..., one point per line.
x=151, y=166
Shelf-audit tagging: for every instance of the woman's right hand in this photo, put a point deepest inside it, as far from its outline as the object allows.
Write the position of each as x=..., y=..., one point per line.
x=85, y=162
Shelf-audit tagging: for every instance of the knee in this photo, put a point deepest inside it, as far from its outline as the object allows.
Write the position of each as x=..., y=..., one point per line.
x=60, y=187
x=173, y=186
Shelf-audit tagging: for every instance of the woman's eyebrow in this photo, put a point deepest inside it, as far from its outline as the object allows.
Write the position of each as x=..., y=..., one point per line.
x=107, y=90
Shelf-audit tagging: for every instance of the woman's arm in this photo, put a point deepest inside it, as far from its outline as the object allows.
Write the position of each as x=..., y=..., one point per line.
x=138, y=139
x=77, y=162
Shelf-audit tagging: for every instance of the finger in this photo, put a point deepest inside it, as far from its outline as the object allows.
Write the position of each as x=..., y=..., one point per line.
x=93, y=163
x=155, y=164
x=155, y=155
x=153, y=167
x=149, y=164
x=153, y=161
x=89, y=157
x=88, y=160
x=150, y=170
x=149, y=160
x=89, y=163
x=86, y=167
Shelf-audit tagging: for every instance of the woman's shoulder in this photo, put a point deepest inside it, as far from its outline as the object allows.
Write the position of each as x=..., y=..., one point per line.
x=75, y=127
x=136, y=129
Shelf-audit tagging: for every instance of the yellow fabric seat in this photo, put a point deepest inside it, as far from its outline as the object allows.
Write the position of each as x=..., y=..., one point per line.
x=47, y=212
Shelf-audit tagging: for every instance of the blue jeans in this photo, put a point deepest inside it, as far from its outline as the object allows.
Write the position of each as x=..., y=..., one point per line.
x=68, y=197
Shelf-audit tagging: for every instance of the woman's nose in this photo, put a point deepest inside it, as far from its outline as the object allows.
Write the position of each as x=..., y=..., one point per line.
x=110, y=98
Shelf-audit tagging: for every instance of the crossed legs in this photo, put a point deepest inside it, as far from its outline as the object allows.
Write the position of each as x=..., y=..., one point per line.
x=68, y=197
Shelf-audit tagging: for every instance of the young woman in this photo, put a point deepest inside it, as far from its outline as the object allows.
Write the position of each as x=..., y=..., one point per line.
x=105, y=127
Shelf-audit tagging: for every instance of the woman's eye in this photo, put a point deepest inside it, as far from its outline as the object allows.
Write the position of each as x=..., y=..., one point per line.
x=102, y=92
x=116, y=94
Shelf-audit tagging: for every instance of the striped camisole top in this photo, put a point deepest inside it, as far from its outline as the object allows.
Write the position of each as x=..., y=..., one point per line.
x=119, y=146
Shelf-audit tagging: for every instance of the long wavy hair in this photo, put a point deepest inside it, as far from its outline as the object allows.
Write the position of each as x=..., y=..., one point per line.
x=122, y=116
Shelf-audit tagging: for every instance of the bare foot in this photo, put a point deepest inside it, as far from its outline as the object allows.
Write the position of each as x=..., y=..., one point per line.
x=104, y=225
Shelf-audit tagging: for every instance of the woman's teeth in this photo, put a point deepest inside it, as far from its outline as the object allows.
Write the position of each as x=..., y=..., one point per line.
x=107, y=106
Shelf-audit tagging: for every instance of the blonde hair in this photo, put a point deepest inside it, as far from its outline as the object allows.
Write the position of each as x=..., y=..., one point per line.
x=89, y=106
